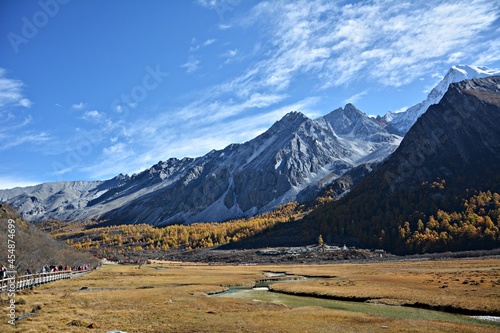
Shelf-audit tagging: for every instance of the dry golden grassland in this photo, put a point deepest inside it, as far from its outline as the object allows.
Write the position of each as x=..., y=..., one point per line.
x=462, y=284
x=172, y=297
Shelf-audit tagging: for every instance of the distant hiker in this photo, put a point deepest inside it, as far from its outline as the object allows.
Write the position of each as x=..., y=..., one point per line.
x=3, y=272
x=28, y=271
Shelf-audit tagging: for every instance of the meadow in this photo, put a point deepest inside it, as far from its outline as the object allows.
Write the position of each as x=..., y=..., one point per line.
x=176, y=297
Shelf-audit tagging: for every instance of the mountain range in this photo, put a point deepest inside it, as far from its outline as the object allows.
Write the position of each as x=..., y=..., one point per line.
x=448, y=157
x=293, y=160
x=439, y=191
x=240, y=180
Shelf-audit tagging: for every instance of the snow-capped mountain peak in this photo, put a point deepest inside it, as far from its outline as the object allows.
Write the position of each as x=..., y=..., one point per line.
x=400, y=122
x=470, y=71
x=349, y=122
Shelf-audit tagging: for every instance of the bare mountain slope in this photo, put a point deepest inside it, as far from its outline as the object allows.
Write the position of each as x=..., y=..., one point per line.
x=295, y=154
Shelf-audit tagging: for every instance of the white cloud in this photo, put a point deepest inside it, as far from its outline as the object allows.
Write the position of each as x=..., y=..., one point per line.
x=25, y=103
x=118, y=108
x=11, y=92
x=204, y=111
x=13, y=124
x=231, y=53
x=355, y=98
x=225, y=26
x=209, y=42
x=160, y=138
x=79, y=106
x=389, y=42
x=191, y=65
x=23, y=138
x=115, y=149
x=208, y=3
x=455, y=57
x=196, y=46
x=490, y=53
x=332, y=43
x=220, y=6
x=93, y=115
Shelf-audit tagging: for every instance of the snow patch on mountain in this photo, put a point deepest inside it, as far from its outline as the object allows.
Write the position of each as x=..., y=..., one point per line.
x=401, y=122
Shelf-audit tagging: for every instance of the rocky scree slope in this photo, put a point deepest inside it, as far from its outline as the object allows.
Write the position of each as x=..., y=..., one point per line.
x=296, y=155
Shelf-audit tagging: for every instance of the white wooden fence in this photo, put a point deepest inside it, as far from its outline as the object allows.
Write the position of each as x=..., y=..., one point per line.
x=33, y=280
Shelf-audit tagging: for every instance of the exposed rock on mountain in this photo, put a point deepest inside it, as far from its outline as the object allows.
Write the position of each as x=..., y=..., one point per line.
x=294, y=160
x=449, y=155
x=458, y=137
x=240, y=180
x=422, y=197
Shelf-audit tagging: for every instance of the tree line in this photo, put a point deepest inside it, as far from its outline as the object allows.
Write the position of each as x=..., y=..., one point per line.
x=432, y=218
x=130, y=238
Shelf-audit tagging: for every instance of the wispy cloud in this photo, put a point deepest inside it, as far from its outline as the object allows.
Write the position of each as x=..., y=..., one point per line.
x=196, y=46
x=356, y=97
x=93, y=115
x=389, y=42
x=118, y=148
x=11, y=92
x=231, y=53
x=31, y=138
x=14, y=122
x=331, y=43
x=79, y=106
x=153, y=139
x=207, y=112
x=209, y=42
x=223, y=26
x=220, y=6
x=191, y=65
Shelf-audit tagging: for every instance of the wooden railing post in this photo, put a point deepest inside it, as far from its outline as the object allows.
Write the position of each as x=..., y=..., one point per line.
x=33, y=280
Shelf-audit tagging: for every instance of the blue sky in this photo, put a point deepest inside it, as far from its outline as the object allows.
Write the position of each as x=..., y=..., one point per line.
x=90, y=89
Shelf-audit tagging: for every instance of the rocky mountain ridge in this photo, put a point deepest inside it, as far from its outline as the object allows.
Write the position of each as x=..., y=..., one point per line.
x=429, y=195
x=400, y=122
x=293, y=160
x=280, y=165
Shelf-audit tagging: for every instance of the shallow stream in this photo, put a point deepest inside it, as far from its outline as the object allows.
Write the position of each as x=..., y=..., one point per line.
x=263, y=294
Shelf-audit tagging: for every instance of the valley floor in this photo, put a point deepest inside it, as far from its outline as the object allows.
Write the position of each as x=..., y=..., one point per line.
x=175, y=297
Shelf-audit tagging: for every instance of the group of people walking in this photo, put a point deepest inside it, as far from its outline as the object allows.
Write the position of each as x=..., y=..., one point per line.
x=48, y=269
